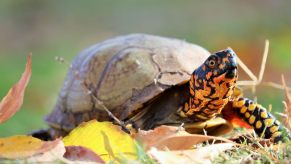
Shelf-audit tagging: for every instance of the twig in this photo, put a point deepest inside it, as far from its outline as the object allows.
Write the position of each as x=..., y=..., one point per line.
x=87, y=90
x=246, y=69
x=268, y=84
x=110, y=114
x=258, y=81
x=285, y=87
x=286, y=103
x=264, y=60
x=255, y=81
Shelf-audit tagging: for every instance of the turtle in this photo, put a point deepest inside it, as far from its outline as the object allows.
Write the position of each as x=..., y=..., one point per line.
x=147, y=81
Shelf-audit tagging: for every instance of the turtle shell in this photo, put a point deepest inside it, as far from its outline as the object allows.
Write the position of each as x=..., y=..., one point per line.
x=126, y=73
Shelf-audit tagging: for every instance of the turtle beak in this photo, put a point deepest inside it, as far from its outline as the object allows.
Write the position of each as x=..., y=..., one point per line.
x=232, y=67
x=231, y=73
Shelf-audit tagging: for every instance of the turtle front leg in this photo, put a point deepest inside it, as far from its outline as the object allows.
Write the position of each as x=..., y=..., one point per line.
x=263, y=122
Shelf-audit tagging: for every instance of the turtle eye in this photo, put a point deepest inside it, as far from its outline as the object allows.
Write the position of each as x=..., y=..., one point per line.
x=211, y=63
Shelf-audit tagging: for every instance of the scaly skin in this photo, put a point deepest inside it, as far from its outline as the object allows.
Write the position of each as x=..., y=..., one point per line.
x=263, y=122
x=211, y=88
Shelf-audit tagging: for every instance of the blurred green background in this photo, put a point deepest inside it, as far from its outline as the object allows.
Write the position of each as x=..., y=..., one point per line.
x=50, y=28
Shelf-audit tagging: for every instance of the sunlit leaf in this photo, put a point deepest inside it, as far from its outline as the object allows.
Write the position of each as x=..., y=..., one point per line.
x=30, y=148
x=172, y=138
x=201, y=155
x=12, y=102
x=104, y=138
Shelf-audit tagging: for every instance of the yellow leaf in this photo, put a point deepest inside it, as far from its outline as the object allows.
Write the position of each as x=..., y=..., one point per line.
x=22, y=147
x=104, y=138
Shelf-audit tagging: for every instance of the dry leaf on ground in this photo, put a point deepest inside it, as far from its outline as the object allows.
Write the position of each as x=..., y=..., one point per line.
x=79, y=153
x=202, y=155
x=12, y=102
x=31, y=149
x=172, y=138
x=104, y=138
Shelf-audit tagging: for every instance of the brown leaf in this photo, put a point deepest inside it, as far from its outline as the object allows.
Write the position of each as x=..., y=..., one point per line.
x=172, y=138
x=80, y=153
x=30, y=148
x=52, y=153
x=12, y=102
x=287, y=104
x=201, y=155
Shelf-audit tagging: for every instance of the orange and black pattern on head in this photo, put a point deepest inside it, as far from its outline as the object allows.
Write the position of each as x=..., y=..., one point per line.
x=211, y=85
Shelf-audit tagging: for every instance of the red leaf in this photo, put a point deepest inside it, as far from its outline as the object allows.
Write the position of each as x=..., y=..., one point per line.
x=12, y=102
x=80, y=153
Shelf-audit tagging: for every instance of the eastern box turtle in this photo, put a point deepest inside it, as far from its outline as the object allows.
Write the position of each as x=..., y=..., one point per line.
x=148, y=81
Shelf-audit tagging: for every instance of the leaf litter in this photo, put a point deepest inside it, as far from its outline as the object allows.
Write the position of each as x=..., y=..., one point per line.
x=164, y=144
x=265, y=148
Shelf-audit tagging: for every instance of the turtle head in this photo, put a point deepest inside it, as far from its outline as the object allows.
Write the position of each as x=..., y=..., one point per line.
x=212, y=84
x=218, y=67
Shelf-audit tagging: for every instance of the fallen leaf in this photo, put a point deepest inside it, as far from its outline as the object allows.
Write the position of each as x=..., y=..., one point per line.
x=52, y=155
x=12, y=102
x=172, y=138
x=104, y=138
x=79, y=153
x=31, y=149
x=201, y=155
